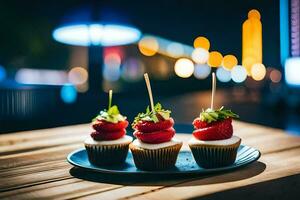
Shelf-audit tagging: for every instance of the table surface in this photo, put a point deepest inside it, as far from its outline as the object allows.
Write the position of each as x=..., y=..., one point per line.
x=33, y=166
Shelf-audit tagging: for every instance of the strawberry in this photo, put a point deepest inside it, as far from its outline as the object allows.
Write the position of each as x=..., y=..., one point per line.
x=218, y=130
x=108, y=135
x=104, y=126
x=149, y=126
x=199, y=124
x=156, y=136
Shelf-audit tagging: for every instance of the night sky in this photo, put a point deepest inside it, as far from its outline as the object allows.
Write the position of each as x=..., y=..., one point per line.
x=26, y=26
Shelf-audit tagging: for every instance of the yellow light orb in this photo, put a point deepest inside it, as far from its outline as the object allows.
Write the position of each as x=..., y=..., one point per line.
x=202, y=42
x=148, y=46
x=215, y=59
x=258, y=71
x=229, y=61
x=254, y=14
x=184, y=68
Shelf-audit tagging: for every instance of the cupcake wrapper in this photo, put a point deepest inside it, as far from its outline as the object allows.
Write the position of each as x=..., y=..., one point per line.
x=155, y=159
x=107, y=154
x=214, y=156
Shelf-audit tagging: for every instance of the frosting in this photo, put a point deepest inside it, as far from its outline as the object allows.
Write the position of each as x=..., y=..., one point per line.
x=123, y=140
x=232, y=140
x=143, y=145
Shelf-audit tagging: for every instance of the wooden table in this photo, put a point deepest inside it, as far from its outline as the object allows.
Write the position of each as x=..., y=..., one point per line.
x=33, y=166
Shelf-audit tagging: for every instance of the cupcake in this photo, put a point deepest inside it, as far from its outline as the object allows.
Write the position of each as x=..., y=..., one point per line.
x=213, y=144
x=155, y=147
x=108, y=144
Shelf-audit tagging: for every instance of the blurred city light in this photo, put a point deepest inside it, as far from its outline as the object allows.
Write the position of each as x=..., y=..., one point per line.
x=202, y=42
x=215, y=59
x=252, y=40
x=184, y=68
x=41, y=76
x=223, y=75
x=229, y=61
x=258, y=71
x=2, y=73
x=202, y=71
x=78, y=75
x=200, y=55
x=275, y=76
x=96, y=34
x=238, y=74
x=133, y=69
x=68, y=93
x=111, y=68
x=175, y=49
x=292, y=71
x=148, y=46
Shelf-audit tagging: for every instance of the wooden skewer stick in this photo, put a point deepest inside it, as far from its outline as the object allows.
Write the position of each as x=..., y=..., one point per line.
x=149, y=91
x=213, y=91
x=110, y=98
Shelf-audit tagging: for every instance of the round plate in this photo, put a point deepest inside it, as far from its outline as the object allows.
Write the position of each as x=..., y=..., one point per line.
x=185, y=163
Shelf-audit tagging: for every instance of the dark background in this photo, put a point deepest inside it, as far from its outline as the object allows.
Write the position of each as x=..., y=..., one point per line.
x=26, y=41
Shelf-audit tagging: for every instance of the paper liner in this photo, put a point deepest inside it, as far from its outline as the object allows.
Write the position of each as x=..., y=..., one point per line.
x=107, y=154
x=213, y=156
x=155, y=159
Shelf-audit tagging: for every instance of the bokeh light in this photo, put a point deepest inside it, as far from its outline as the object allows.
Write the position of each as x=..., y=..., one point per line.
x=133, y=70
x=215, y=59
x=275, y=76
x=202, y=42
x=184, y=67
x=175, y=49
x=200, y=55
x=229, y=61
x=238, y=74
x=254, y=14
x=111, y=68
x=258, y=71
x=148, y=46
x=68, y=93
x=202, y=71
x=2, y=73
x=78, y=75
x=223, y=75
x=96, y=34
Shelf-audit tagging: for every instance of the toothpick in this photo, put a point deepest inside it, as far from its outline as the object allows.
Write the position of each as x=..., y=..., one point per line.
x=149, y=91
x=110, y=98
x=213, y=91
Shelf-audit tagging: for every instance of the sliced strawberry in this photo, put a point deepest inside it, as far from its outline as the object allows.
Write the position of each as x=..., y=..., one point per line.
x=216, y=131
x=103, y=126
x=108, y=135
x=156, y=136
x=148, y=126
x=199, y=124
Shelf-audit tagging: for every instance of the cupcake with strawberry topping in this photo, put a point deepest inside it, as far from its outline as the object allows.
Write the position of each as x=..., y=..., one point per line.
x=155, y=147
x=108, y=144
x=213, y=143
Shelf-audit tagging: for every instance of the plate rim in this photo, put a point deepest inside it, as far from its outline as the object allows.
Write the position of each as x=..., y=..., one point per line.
x=202, y=171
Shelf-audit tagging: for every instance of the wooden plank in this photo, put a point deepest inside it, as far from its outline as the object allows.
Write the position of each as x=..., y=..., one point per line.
x=38, y=156
x=19, y=137
x=277, y=165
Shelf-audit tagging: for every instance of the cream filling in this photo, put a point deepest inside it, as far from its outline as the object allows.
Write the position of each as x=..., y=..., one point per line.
x=229, y=141
x=123, y=140
x=143, y=145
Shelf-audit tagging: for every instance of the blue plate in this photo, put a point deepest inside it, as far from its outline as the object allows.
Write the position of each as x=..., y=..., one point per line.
x=185, y=163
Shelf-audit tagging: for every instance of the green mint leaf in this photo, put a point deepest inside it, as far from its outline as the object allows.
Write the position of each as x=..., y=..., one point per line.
x=210, y=115
x=113, y=110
